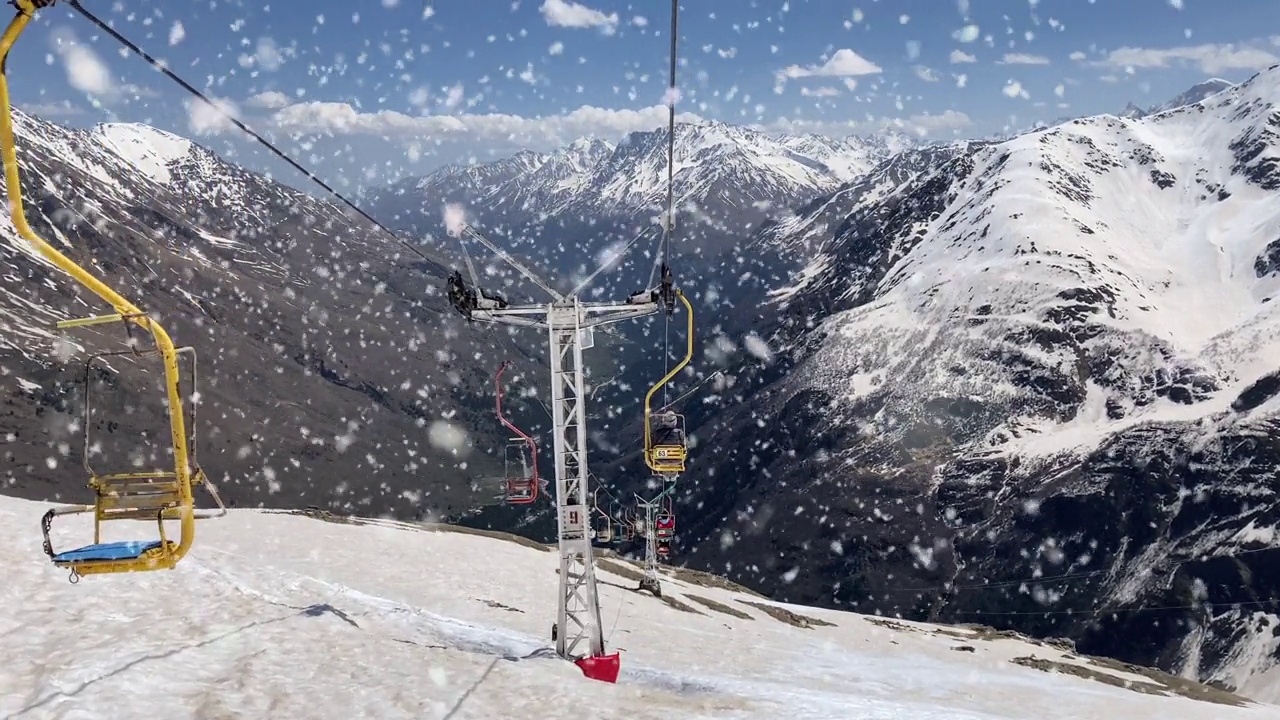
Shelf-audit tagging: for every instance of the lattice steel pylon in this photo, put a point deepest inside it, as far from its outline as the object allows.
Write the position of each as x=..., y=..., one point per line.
x=570, y=325
x=650, y=580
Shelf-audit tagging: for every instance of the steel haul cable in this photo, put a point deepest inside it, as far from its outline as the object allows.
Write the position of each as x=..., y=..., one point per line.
x=75, y=4
x=671, y=183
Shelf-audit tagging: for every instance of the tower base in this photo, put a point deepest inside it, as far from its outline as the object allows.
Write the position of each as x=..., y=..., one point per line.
x=604, y=668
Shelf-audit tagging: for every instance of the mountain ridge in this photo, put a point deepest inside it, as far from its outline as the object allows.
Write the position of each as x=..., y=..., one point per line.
x=1031, y=357
x=724, y=167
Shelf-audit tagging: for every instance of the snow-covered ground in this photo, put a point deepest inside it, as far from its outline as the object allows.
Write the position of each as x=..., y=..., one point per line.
x=276, y=615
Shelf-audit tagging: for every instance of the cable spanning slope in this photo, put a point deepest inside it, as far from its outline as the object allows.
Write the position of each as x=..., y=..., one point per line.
x=270, y=600
x=1047, y=355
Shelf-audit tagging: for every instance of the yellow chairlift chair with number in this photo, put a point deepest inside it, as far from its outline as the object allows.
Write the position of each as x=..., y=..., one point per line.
x=665, y=442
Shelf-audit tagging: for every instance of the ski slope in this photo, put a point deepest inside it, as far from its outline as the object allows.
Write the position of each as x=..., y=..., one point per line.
x=276, y=615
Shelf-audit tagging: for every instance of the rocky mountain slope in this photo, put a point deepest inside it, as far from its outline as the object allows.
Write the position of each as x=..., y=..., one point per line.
x=1052, y=357
x=333, y=372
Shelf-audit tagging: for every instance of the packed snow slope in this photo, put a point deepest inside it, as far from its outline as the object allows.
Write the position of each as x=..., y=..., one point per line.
x=1032, y=385
x=277, y=615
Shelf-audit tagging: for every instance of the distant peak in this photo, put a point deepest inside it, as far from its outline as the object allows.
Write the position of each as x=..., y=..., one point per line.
x=150, y=150
x=117, y=128
x=587, y=144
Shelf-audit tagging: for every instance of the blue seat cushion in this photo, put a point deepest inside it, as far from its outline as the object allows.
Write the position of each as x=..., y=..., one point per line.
x=123, y=550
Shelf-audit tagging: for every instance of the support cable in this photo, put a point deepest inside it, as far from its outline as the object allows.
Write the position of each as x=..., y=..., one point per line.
x=75, y=4
x=668, y=224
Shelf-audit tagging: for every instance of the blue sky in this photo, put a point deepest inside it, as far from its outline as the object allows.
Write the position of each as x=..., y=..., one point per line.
x=378, y=89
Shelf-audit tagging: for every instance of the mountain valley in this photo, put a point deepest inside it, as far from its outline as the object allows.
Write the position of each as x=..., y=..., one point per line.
x=1027, y=383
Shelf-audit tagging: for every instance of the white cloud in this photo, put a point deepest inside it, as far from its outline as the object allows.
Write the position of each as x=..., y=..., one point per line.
x=929, y=124
x=843, y=63
x=820, y=92
x=53, y=110
x=498, y=133
x=267, y=55
x=1024, y=59
x=453, y=97
x=1014, y=89
x=176, y=33
x=206, y=119
x=960, y=56
x=271, y=100
x=497, y=128
x=1210, y=58
x=566, y=13
x=135, y=92
x=945, y=123
x=1077, y=56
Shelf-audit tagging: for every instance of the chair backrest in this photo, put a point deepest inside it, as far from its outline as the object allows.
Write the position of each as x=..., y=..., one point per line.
x=135, y=496
x=516, y=460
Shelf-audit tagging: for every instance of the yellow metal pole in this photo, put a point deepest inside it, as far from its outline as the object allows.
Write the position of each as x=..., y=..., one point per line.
x=13, y=187
x=648, y=398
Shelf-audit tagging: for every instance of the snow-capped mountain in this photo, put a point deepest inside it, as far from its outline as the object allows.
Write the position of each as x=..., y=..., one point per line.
x=1196, y=93
x=475, y=184
x=562, y=175
x=1052, y=357
x=848, y=158
x=525, y=184
x=723, y=173
x=725, y=177
x=318, y=338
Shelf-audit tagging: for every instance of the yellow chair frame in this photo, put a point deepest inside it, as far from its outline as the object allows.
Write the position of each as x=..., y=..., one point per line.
x=161, y=495
x=668, y=459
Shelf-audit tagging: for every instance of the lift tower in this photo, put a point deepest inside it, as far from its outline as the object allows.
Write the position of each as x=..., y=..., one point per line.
x=570, y=324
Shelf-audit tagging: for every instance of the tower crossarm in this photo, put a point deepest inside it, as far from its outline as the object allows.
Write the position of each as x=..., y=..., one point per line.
x=589, y=314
